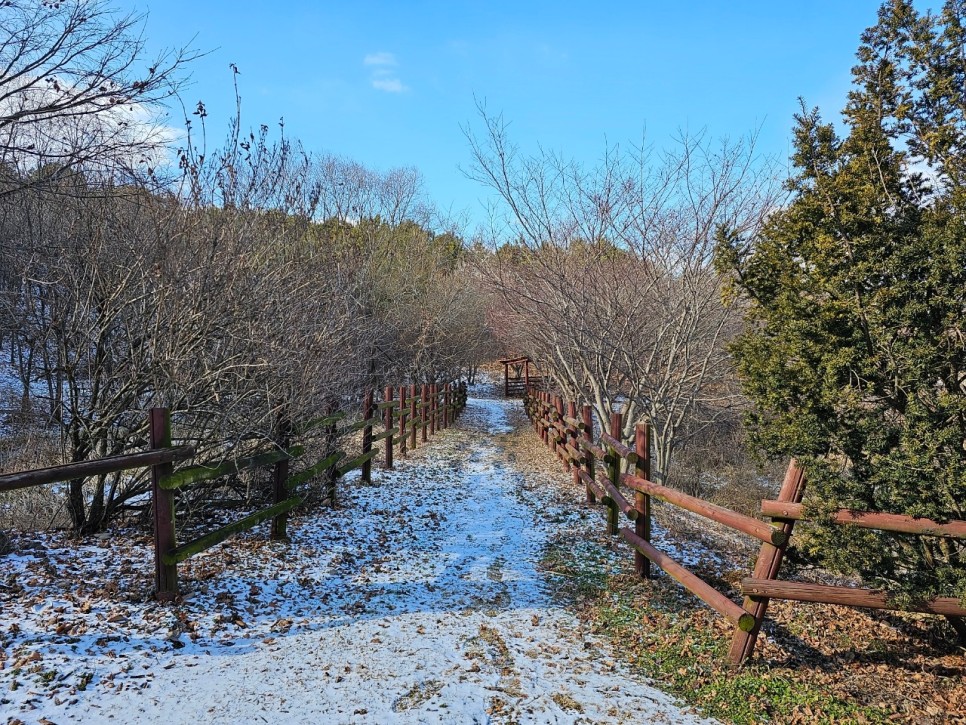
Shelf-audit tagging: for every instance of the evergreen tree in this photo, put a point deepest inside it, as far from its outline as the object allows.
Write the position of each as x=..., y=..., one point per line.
x=855, y=352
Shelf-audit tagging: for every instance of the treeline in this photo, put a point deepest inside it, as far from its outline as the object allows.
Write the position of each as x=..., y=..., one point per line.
x=241, y=287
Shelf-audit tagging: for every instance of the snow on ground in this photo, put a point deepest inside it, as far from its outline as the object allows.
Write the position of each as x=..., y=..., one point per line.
x=420, y=600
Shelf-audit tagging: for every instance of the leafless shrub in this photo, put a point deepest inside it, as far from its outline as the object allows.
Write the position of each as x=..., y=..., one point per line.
x=607, y=277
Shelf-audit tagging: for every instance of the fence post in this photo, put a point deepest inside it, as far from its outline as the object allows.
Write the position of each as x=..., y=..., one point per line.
x=642, y=501
x=588, y=416
x=280, y=479
x=433, y=408
x=572, y=438
x=614, y=471
x=165, y=575
x=538, y=417
x=446, y=401
x=412, y=416
x=767, y=566
x=562, y=434
x=331, y=474
x=387, y=421
x=556, y=417
x=424, y=414
x=551, y=433
x=545, y=418
x=403, y=415
x=367, y=437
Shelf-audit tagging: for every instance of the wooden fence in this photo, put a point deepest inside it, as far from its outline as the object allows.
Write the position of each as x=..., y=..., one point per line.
x=571, y=438
x=438, y=407
x=516, y=386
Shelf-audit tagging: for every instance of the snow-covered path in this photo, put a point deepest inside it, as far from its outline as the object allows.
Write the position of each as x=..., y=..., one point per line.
x=419, y=601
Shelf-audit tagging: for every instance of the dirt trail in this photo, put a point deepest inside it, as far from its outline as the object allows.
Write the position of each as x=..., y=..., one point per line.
x=420, y=601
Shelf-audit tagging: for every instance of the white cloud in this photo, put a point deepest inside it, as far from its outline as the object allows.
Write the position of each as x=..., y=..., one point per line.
x=382, y=73
x=389, y=85
x=381, y=58
x=32, y=133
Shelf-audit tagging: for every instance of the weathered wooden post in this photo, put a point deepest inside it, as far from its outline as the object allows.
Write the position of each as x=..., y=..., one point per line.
x=557, y=417
x=446, y=400
x=545, y=415
x=438, y=395
x=433, y=408
x=425, y=410
x=544, y=418
x=554, y=419
x=506, y=380
x=572, y=438
x=367, y=437
x=403, y=435
x=538, y=413
x=767, y=566
x=642, y=501
x=562, y=435
x=412, y=416
x=588, y=416
x=165, y=575
x=387, y=422
x=614, y=473
x=280, y=479
x=330, y=434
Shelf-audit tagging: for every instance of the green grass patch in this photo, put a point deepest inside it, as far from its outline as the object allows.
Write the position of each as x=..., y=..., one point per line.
x=664, y=633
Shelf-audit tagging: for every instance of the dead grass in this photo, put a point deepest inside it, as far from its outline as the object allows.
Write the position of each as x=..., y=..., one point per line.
x=813, y=663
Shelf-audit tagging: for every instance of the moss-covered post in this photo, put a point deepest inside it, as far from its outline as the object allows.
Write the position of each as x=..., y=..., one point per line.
x=403, y=436
x=165, y=575
x=412, y=416
x=280, y=492
x=559, y=437
x=767, y=566
x=367, y=436
x=642, y=501
x=614, y=473
x=446, y=402
x=572, y=438
x=331, y=437
x=545, y=418
x=424, y=413
x=387, y=421
x=588, y=416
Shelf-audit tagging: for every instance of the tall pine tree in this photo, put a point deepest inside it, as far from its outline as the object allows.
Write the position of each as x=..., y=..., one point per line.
x=855, y=351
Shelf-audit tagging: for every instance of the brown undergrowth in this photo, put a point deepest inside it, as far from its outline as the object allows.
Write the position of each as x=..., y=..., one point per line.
x=813, y=663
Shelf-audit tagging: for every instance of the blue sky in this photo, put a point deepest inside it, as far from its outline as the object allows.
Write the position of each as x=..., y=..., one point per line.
x=391, y=83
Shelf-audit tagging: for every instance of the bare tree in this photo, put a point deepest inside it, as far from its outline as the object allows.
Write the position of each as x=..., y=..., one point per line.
x=608, y=273
x=77, y=91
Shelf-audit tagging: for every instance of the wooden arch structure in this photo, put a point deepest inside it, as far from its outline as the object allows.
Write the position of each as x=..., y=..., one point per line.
x=516, y=386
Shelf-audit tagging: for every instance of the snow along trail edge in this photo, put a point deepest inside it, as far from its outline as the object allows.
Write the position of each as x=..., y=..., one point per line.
x=418, y=601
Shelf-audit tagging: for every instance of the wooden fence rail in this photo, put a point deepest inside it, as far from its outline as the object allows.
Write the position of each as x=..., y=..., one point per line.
x=572, y=441
x=438, y=409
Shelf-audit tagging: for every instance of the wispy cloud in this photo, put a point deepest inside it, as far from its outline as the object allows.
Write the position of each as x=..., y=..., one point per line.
x=381, y=59
x=389, y=85
x=383, y=76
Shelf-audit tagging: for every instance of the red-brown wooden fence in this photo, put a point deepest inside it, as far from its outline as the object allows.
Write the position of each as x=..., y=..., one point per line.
x=572, y=440
x=438, y=409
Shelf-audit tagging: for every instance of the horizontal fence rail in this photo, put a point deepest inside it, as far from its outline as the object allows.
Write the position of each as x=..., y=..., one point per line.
x=99, y=467
x=425, y=408
x=571, y=439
